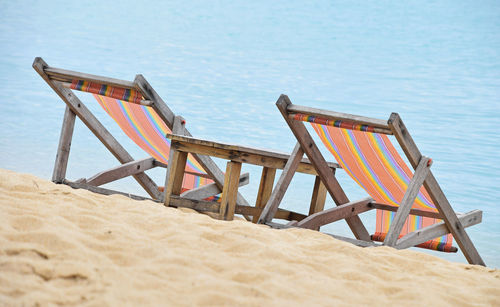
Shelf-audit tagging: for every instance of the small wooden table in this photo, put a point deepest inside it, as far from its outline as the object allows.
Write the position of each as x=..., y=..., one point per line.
x=236, y=155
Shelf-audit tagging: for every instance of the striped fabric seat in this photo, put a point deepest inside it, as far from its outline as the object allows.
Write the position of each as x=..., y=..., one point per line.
x=371, y=160
x=142, y=125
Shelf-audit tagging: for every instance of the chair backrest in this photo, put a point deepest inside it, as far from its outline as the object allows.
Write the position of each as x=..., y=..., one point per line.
x=371, y=160
x=141, y=124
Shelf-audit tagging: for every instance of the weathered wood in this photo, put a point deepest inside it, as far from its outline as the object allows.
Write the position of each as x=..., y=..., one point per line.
x=265, y=189
x=230, y=190
x=104, y=191
x=211, y=189
x=411, y=193
x=63, y=149
x=437, y=195
x=68, y=76
x=436, y=230
x=122, y=171
x=319, y=163
x=266, y=158
x=318, y=198
x=355, y=119
x=337, y=213
x=95, y=126
x=175, y=174
x=291, y=223
x=278, y=192
x=418, y=212
x=356, y=242
x=214, y=207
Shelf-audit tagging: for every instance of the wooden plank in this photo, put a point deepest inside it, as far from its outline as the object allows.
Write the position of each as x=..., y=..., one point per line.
x=265, y=189
x=355, y=119
x=411, y=193
x=278, y=192
x=211, y=189
x=104, y=191
x=230, y=190
x=241, y=154
x=68, y=75
x=356, y=242
x=337, y=213
x=437, y=195
x=318, y=198
x=175, y=174
x=214, y=207
x=319, y=163
x=418, y=212
x=122, y=171
x=436, y=230
x=63, y=149
x=95, y=126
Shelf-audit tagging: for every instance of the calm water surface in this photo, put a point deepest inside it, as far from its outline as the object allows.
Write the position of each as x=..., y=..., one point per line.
x=223, y=64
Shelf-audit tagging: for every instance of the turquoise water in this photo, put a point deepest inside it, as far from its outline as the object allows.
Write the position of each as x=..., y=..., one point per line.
x=223, y=64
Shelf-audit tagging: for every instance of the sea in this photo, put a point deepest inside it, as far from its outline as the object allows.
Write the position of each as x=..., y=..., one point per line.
x=223, y=64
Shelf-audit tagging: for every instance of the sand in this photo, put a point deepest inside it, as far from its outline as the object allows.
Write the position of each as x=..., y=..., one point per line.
x=73, y=247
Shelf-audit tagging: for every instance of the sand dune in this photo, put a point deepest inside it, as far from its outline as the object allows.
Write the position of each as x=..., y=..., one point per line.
x=68, y=247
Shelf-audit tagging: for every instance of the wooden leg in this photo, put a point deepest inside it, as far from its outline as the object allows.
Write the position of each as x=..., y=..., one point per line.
x=435, y=192
x=408, y=199
x=278, y=192
x=265, y=189
x=230, y=190
x=318, y=197
x=175, y=174
x=122, y=171
x=64, y=146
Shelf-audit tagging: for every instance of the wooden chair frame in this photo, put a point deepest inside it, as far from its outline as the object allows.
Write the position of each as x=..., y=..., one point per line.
x=59, y=80
x=349, y=211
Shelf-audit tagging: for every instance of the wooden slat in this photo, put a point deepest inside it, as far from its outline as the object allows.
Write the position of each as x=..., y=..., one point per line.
x=265, y=189
x=360, y=120
x=214, y=207
x=270, y=159
x=175, y=174
x=318, y=198
x=418, y=212
x=335, y=214
x=63, y=149
x=104, y=191
x=278, y=192
x=122, y=171
x=95, y=126
x=411, y=193
x=68, y=75
x=356, y=242
x=319, y=163
x=230, y=190
x=437, y=195
x=436, y=230
x=211, y=189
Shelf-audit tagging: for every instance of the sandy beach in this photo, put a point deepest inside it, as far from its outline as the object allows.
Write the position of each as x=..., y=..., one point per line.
x=73, y=247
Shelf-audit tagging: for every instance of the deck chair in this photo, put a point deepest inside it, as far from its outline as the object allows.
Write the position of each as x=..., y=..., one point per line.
x=144, y=117
x=412, y=210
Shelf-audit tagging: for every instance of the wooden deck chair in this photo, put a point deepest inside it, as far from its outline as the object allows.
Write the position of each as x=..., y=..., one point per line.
x=412, y=210
x=144, y=118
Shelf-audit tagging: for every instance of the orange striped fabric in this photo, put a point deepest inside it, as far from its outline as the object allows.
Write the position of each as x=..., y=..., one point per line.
x=373, y=162
x=144, y=126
